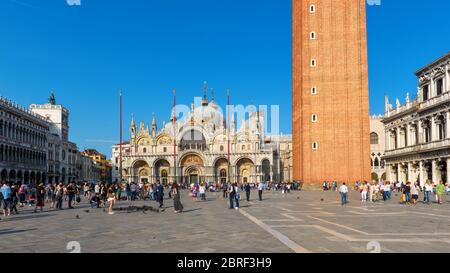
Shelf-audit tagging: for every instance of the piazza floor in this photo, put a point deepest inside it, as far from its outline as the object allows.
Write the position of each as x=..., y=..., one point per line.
x=299, y=222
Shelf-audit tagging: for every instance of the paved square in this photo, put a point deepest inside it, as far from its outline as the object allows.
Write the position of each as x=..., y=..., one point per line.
x=296, y=222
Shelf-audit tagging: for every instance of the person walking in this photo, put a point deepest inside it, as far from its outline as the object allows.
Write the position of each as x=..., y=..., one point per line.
x=14, y=199
x=427, y=192
x=40, y=198
x=59, y=196
x=364, y=190
x=160, y=194
x=53, y=196
x=71, y=194
x=178, y=207
x=22, y=194
x=414, y=193
x=232, y=195
x=225, y=190
x=260, y=191
x=247, y=189
x=344, y=191
x=202, y=190
x=236, y=195
x=5, y=191
x=111, y=195
x=440, y=191
x=407, y=192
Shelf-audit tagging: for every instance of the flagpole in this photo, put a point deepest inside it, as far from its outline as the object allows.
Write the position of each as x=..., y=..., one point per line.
x=120, y=154
x=174, y=120
x=229, y=127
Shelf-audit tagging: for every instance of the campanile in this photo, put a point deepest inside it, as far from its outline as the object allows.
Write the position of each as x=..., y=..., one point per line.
x=331, y=122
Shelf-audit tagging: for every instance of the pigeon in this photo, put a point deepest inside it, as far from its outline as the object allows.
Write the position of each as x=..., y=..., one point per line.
x=78, y=217
x=298, y=197
x=322, y=200
x=87, y=211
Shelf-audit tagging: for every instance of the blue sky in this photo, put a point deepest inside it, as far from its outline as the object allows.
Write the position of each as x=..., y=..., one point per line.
x=148, y=47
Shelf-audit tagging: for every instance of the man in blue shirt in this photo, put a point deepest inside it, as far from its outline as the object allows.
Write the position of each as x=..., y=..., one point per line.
x=6, y=193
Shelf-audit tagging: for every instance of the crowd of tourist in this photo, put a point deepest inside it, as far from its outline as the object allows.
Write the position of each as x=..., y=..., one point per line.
x=409, y=192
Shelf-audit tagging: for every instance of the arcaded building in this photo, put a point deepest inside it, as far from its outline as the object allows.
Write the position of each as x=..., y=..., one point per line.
x=330, y=91
x=418, y=131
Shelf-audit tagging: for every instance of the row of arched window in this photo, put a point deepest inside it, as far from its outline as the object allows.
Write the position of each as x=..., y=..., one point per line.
x=19, y=133
x=21, y=155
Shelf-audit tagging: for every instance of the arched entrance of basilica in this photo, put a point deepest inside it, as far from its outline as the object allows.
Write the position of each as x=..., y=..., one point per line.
x=192, y=168
x=141, y=172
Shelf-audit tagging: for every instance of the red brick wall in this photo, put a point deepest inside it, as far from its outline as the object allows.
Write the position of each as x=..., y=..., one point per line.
x=342, y=102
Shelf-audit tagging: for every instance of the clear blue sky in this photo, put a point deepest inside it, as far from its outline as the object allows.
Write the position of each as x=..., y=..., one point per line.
x=148, y=47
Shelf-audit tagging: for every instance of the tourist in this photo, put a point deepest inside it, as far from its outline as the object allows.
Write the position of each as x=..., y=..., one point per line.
x=387, y=191
x=414, y=193
x=133, y=188
x=22, y=194
x=86, y=191
x=260, y=191
x=440, y=191
x=236, y=195
x=247, y=189
x=202, y=191
x=194, y=192
x=14, y=198
x=40, y=198
x=225, y=190
x=178, y=207
x=364, y=190
x=71, y=194
x=372, y=191
x=59, y=196
x=232, y=195
x=52, y=190
x=48, y=193
x=427, y=192
x=343, y=190
x=335, y=186
x=160, y=194
x=6, y=199
x=118, y=191
x=407, y=192
x=111, y=195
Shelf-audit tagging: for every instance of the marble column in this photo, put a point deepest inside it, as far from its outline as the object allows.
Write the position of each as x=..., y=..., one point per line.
x=421, y=174
x=410, y=173
x=408, y=135
x=447, y=78
x=388, y=173
x=432, y=88
x=421, y=133
x=434, y=131
x=434, y=170
x=447, y=124
x=448, y=171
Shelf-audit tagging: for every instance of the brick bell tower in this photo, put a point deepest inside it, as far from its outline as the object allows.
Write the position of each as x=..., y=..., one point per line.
x=331, y=122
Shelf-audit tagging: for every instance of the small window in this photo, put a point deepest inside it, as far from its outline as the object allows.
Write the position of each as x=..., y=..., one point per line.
x=439, y=86
x=313, y=63
x=221, y=148
x=312, y=35
x=314, y=118
x=314, y=91
x=312, y=8
x=374, y=138
x=145, y=150
x=315, y=146
x=165, y=150
x=243, y=147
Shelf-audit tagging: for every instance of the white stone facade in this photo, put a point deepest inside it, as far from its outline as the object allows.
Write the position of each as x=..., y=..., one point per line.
x=418, y=132
x=201, y=147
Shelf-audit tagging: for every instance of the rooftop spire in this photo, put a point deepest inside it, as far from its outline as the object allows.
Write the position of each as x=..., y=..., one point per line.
x=205, y=99
x=133, y=124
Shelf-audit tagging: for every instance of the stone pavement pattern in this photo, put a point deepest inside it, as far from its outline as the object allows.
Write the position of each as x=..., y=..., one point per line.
x=297, y=222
